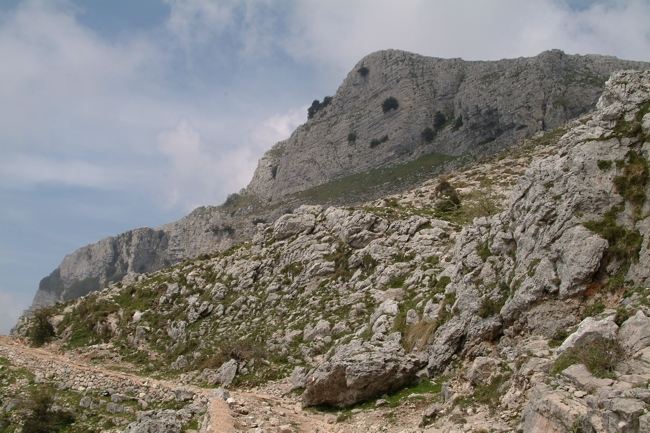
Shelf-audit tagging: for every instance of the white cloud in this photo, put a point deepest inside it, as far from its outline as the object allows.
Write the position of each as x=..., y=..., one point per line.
x=55, y=72
x=21, y=171
x=199, y=173
x=338, y=34
x=11, y=307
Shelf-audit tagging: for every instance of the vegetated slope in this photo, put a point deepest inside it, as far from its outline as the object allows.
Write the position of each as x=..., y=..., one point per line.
x=356, y=303
x=440, y=108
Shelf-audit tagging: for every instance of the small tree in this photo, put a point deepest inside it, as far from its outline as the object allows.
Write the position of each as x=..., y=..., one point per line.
x=439, y=120
x=313, y=109
x=363, y=71
x=352, y=137
x=428, y=134
x=42, y=330
x=42, y=417
x=389, y=104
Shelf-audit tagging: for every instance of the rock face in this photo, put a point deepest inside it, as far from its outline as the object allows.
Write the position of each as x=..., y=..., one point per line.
x=358, y=371
x=465, y=104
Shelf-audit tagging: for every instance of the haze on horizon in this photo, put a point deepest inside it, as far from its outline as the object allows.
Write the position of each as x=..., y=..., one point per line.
x=120, y=114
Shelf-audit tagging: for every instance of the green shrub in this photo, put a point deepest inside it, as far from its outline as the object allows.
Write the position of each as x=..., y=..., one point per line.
x=490, y=307
x=376, y=142
x=599, y=356
x=352, y=137
x=42, y=330
x=558, y=338
x=316, y=105
x=363, y=71
x=604, y=164
x=594, y=309
x=443, y=282
x=624, y=244
x=389, y=103
x=439, y=120
x=368, y=261
x=622, y=314
x=484, y=252
x=631, y=185
x=428, y=135
x=42, y=417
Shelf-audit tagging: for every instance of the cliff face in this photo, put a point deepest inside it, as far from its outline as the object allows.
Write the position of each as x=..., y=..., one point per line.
x=463, y=104
x=446, y=106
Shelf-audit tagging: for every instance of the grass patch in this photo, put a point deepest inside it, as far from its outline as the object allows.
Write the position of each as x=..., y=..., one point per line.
x=599, y=356
x=558, y=338
x=624, y=244
x=594, y=309
x=358, y=187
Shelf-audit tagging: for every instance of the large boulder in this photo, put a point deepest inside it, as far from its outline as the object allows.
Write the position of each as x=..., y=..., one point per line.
x=359, y=371
x=590, y=330
x=634, y=334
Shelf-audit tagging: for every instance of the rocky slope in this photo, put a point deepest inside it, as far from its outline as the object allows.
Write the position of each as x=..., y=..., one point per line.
x=510, y=295
x=444, y=106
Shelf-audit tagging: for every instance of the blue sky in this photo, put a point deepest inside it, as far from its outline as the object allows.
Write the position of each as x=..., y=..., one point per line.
x=119, y=114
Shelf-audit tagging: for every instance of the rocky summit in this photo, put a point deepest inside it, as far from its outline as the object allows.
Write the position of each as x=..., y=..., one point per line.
x=397, y=119
x=510, y=294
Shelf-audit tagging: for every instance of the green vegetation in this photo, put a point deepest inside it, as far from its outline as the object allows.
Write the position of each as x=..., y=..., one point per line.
x=360, y=185
x=484, y=393
x=599, y=356
x=594, y=309
x=352, y=137
x=428, y=135
x=389, y=103
x=558, y=337
x=42, y=331
x=363, y=71
x=632, y=184
x=484, y=252
x=42, y=417
x=377, y=141
x=624, y=244
x=450, y=201
x=317, y=106
x=622, y=314
x=605, y=164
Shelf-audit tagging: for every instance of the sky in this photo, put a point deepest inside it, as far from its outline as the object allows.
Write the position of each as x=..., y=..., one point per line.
x=117, y=114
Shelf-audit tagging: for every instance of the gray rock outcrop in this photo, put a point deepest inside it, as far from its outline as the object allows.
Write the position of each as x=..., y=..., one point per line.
x=358, y=371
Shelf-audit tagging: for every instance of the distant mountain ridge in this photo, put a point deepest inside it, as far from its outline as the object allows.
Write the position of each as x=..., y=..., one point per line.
x=444, y=106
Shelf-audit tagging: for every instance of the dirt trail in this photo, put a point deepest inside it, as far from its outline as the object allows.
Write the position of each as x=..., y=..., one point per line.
x=241, y=413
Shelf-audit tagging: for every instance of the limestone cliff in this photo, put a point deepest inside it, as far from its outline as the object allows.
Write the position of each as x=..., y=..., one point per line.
x=445, y=106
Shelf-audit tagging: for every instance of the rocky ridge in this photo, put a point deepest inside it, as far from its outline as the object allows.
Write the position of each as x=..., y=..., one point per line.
x=444, y=106
x=517, y=285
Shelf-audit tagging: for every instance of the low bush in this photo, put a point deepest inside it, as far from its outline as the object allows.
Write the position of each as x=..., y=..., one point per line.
x=42, y=331
x=599, y=356
x=389, y=103
x=42, y=416
x=352, y=137
x=558, y=337
x=377, y=141
x=363, y=71
x=428, y=135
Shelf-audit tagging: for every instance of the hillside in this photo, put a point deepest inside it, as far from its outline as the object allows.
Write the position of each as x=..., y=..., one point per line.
x=507, y=295
x=360, y=146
